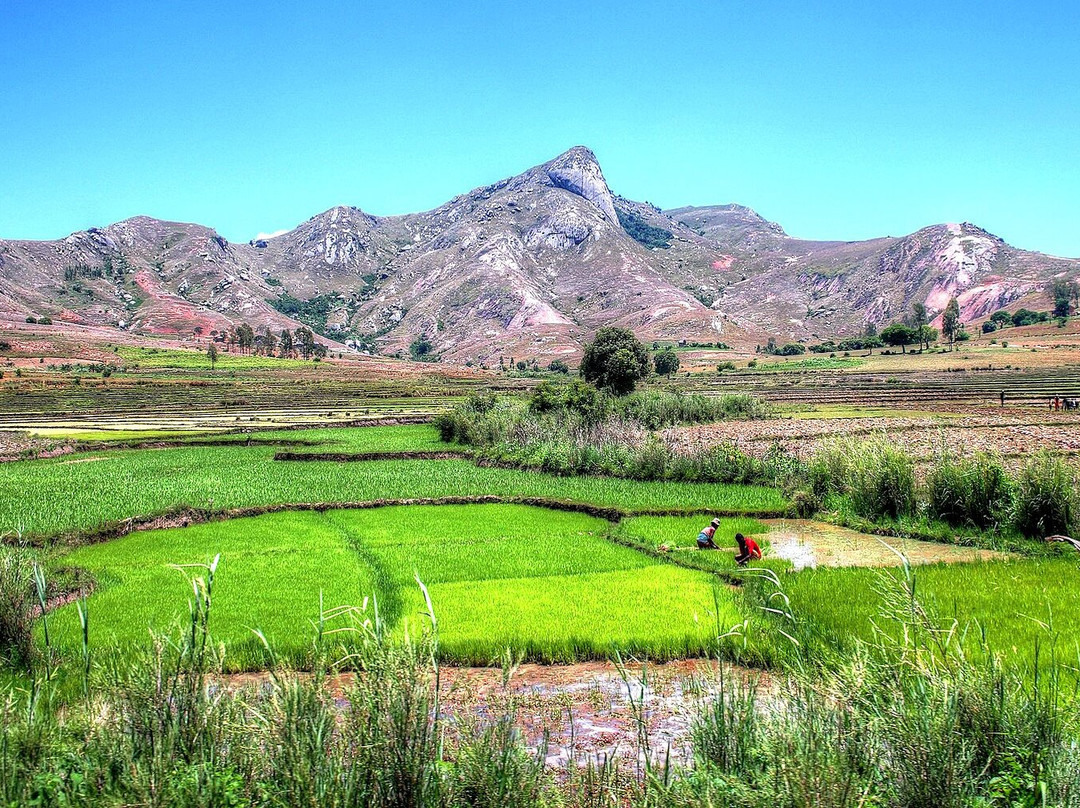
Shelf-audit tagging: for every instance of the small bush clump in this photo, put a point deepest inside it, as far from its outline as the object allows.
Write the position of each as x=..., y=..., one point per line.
x=974, y=491
x=17, y=599
x=881, y=479
x=1046, y=498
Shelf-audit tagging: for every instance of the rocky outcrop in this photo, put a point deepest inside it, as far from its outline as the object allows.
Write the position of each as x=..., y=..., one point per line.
x=527, y=267
x=578, y=171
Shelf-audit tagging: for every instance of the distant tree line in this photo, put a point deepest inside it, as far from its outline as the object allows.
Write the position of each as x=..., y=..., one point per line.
x=913, y=329
x=285, y=344
x=112, y=266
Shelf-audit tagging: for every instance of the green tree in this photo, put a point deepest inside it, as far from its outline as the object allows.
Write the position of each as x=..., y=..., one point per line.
x=898, y=334
x=1028, y=317
x=286, y=343
x=420, y=349
x=305, y=338
x=211, y=354
x=245, y=337
x=918, y=315
x=266, y=340
x=666, y=362
x=1065, y=293
x=1001, y=319
x=921, y=332
x=950, y=322
x=558, y=366
x=615, y=360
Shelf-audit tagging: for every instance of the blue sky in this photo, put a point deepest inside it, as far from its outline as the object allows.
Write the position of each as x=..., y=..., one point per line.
x=837, y=119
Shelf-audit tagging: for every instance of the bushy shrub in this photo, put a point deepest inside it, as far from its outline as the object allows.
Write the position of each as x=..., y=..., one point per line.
x=17, y=598
x=827, y=472
x=666, y=362
x=881, y=480
x=975, y=491
x=575, y=396
x=1046, y=498
x=573, y=428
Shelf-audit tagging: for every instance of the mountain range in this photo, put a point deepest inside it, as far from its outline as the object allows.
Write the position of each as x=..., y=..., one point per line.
x=528, y=267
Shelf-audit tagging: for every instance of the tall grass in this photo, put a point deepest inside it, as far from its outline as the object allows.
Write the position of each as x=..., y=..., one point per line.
x=17, y=601
x=913, y=721
x=975, y=491
x=574, y=430
x=655, y=409
x=878, y=482
x=163, y=731
x=906, y=719
x=881, y=481
x=1047, y=500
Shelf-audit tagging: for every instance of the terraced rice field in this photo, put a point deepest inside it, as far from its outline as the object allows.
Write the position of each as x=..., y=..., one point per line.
x=949, y=381
x=545, y=584
x=122, y=484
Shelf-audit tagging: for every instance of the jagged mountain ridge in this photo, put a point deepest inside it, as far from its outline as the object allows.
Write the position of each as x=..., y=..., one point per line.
x=526, y=267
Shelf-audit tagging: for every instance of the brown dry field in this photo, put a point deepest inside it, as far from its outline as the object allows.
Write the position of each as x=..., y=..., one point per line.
x=1013, y=432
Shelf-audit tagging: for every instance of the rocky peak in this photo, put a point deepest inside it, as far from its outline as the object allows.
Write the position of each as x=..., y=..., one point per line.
x=578, y=172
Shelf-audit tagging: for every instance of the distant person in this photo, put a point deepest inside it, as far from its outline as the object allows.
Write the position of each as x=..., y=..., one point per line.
x=747, y=549
x=1002, y=398
x=705, y=537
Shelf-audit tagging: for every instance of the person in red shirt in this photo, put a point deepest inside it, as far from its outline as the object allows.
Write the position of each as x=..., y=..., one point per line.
x=747, y=549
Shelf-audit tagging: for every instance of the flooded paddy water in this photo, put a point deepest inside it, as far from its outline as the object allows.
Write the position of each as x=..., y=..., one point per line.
x=808, y=543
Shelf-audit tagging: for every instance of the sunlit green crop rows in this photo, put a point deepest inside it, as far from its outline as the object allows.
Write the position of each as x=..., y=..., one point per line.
x=405, y=438
x=538, y=582
x=51, y=496
x=174, y=358
x=1015, y=604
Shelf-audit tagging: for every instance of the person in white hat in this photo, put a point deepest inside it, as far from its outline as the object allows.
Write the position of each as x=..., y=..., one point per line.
x=705, y=537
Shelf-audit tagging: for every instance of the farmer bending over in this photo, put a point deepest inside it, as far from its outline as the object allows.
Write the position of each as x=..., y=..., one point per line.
x=705, y=537
x=748, y=548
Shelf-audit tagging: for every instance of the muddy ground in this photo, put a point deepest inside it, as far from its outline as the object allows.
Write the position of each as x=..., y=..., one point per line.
x=806, y=543
x=585, y=713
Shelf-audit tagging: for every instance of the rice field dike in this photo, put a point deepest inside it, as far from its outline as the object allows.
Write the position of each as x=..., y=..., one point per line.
x=342, y=568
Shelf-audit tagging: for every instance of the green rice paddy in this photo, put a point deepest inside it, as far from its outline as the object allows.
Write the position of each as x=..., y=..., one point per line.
x=1008, y=607
x=159, y=358
x=541, y=583
x=548, y=585
x=87, y=492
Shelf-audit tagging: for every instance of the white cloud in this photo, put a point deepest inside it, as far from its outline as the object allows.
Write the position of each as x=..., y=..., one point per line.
x=275, y=234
